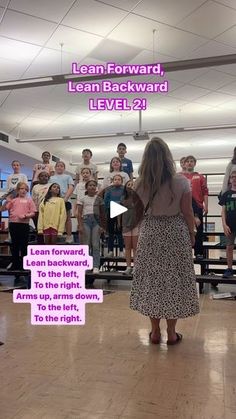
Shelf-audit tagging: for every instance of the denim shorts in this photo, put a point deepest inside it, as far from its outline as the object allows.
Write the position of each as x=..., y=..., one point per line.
x=68, y=206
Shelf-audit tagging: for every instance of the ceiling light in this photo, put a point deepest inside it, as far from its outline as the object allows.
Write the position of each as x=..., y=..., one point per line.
x=70, y=76
x=206, y=128
x=168, y=67
x=127, y=134
x=12, y=83
x=68, y=138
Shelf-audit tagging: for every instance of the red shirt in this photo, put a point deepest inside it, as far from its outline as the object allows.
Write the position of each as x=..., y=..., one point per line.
x=198, y=186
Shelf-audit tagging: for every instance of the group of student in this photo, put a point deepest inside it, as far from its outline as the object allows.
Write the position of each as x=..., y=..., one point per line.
x=93, y=206
x=227, y=199
x=50, y=206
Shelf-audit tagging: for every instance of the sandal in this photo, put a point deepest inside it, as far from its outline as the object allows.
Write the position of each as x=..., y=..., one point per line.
x=178, y=339
x=154, y=341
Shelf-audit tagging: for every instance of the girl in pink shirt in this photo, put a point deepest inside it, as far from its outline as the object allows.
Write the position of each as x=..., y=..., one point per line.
x=21, y=209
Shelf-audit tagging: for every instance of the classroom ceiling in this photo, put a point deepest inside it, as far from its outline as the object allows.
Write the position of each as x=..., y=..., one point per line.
x=43, y=38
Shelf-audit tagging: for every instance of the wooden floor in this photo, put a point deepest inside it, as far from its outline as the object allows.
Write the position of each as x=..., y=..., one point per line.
x=107, y=369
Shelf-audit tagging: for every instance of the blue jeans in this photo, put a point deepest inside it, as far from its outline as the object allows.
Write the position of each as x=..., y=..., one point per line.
x=91, y=237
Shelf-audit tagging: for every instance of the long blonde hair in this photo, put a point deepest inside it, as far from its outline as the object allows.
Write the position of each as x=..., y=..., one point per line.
x=157, y=167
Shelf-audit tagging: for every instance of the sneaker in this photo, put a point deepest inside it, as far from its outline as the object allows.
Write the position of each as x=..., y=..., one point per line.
x=128, y=271
x=122, y=255
x=228, y=273
x=69, y=239
x=95, y=271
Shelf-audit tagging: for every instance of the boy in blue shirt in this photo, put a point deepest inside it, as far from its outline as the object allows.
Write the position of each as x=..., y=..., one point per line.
x=127, y=165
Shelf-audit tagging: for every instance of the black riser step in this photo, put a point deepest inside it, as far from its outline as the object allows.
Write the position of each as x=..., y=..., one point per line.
x=5, y=272
x=199, y=278
x=209, y=271
x=212, y=261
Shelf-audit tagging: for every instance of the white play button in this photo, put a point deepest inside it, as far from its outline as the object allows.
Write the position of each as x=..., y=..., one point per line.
x=116, y=209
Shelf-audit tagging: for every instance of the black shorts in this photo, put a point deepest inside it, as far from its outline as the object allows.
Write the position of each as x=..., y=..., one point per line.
x=68, y=206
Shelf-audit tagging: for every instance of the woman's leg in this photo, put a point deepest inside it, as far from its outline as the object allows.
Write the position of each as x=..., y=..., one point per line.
x=155, y=334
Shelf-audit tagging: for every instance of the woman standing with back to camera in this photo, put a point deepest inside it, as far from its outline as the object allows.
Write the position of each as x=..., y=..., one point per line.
x=164, y=284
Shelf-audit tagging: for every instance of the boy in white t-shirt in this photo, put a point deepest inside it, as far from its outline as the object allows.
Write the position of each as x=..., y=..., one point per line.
x=86, y=156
